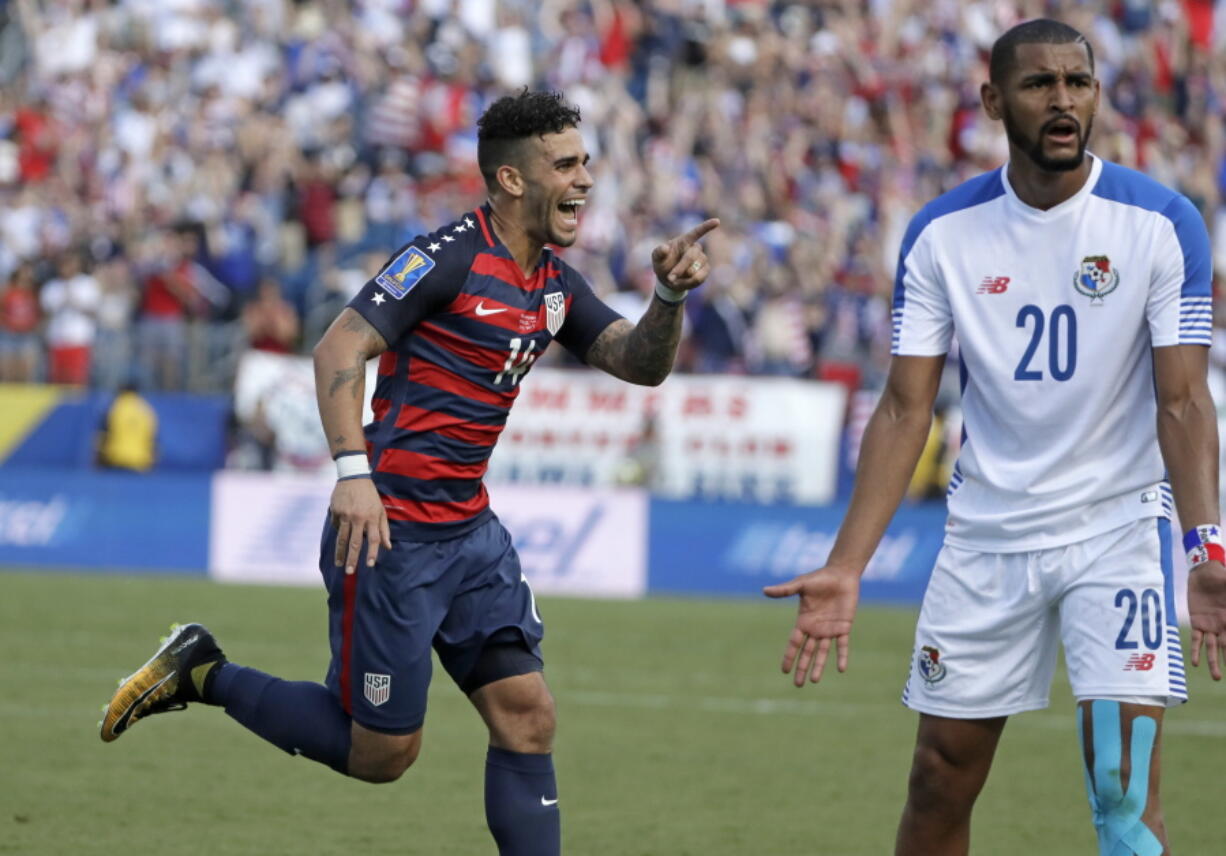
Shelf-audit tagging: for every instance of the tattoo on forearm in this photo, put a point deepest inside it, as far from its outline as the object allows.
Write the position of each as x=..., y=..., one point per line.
x=652, y=346
x=355, y=377
x=641, y=353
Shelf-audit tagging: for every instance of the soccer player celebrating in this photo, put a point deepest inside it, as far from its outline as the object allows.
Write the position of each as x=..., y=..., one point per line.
x=412, y=555
x=1080, y=295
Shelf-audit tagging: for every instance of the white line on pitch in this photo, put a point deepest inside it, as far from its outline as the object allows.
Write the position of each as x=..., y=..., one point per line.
x=1174, y=723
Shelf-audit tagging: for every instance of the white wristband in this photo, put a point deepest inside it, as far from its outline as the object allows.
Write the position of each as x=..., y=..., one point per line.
x=352, y=465
x=671, y=296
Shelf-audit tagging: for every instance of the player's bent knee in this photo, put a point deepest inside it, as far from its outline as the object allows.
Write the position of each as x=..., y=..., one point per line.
x=520, y=713
x=380, y=758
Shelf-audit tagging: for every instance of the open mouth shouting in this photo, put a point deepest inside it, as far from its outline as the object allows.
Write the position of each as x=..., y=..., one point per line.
x=1063, y=131
x=569, y=209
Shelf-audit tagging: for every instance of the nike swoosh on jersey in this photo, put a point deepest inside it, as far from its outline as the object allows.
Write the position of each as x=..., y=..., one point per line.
x=546, y=802
x=482, y=310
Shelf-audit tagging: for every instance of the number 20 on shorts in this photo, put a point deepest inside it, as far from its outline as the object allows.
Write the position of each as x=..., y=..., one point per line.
x=1150, y=603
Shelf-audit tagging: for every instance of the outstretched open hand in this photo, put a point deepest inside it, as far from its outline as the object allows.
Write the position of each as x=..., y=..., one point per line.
x=828, y=600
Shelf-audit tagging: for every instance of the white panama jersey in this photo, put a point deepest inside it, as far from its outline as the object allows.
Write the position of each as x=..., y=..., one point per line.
x=1055, y=313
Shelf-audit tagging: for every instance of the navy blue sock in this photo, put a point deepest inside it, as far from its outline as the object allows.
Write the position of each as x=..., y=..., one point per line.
x=521, y=803
x=298, y=716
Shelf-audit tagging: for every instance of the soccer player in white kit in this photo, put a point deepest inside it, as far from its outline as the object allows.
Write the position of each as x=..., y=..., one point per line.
x=1079, y=292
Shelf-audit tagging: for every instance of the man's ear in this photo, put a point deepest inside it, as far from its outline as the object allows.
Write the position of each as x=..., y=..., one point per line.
x=511, y=180
x=989, y=95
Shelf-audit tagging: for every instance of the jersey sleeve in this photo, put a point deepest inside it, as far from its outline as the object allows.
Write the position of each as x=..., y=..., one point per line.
x=587, y=317
x=922, y=320
x=1180, y=305
x=421, y=278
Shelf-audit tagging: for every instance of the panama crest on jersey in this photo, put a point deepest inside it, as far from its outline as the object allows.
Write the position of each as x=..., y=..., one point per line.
x=931, y=668
x=555, y=311
x=1096, y=278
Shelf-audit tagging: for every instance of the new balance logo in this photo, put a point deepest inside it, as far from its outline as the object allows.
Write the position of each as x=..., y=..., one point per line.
x=1139, y=663
x=993, y=285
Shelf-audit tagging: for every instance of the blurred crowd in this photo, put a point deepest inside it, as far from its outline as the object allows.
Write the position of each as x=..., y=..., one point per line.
x=181, y=180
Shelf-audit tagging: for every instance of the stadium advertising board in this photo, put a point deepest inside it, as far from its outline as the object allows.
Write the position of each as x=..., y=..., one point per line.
x=699, y=548
x=756, y=439
x=695, y=436
x=112, y=521
x=266, y=529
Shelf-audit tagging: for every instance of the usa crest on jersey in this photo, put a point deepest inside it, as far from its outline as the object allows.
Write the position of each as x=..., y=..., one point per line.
x=1096, y=278
x=555, y=311
x=377, y=688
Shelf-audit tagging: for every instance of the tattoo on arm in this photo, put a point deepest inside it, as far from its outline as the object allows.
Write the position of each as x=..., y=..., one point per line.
x=340, y=365
x=641, y=353
x=372, y=342
x=355, y=377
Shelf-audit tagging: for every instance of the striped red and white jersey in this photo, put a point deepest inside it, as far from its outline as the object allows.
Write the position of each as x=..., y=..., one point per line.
x=463, y=326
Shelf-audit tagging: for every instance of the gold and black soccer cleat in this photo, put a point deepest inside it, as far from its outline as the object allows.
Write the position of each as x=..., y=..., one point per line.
x=165, y=682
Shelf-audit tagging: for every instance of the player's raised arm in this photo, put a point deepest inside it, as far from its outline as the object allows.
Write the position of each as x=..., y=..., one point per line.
x=1187, y=434
x=643, y=353
x=340, y=390
x=891, y=448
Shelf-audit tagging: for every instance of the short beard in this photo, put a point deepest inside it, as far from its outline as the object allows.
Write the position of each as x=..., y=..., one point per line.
x=1034, y=148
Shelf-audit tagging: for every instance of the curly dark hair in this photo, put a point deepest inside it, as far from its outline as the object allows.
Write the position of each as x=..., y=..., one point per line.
x=514, y=118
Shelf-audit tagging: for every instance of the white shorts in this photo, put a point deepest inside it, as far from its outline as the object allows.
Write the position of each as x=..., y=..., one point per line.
x=986, y=640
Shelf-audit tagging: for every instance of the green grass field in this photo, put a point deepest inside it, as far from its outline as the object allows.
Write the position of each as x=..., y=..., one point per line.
x=677, y=736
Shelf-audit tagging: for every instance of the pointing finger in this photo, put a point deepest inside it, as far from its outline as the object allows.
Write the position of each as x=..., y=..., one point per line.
x=699, y=231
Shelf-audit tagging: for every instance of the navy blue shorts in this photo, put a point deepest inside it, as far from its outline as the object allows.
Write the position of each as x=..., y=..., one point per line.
x=451, y=595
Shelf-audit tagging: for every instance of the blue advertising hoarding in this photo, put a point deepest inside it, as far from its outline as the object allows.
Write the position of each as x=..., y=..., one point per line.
x=729, y=548
x=88, y=519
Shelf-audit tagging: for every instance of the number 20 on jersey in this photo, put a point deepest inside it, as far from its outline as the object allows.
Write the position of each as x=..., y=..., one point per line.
x=1059, y=329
